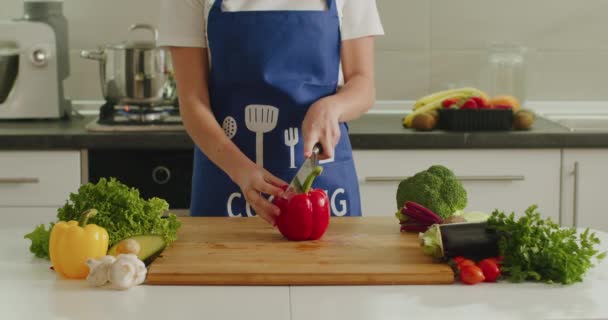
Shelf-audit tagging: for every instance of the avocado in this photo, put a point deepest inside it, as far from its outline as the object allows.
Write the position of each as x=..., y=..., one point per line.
x=151, y=246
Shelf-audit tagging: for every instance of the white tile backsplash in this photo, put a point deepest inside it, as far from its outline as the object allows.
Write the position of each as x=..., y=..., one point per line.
x=457, y=68
x=93, y=23
x=429, y=44
x=84, y=82
x=11, y=8
x=569, y=76
x=541, y=24
x=406, y=24
x=550, y=75
x=402, y=75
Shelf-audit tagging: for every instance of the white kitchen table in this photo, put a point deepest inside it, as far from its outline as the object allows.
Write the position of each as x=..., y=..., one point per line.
x=30, y=290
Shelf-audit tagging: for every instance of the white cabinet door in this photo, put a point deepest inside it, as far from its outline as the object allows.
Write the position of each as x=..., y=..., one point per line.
x=585, y=176
x=38, y=178
x=509, y=180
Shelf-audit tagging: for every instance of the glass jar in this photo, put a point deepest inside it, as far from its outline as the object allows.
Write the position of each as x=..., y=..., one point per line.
x=507, y=70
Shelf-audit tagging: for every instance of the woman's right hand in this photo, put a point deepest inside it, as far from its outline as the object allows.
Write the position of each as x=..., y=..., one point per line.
x=253, y=182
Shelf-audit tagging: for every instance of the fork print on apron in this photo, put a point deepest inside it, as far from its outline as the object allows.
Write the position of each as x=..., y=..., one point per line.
x=268, y=68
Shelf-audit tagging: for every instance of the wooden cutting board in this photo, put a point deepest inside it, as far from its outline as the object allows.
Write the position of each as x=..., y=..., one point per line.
x=248, y=251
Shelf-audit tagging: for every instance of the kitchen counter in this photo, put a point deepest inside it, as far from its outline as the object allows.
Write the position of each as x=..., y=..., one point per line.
x=29, y=290
x=372, y=131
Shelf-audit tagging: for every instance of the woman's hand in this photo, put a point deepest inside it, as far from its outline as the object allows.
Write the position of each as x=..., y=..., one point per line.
x=254, y=182
x=354, y=98
x=321, y=125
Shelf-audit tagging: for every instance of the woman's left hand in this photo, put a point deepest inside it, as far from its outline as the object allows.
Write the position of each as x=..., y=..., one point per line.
x=321, y=125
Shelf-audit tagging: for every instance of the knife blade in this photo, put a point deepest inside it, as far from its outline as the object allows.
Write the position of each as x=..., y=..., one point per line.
x=295, y=186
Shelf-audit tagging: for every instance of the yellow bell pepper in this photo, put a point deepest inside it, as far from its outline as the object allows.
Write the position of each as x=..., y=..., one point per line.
x=73, y=242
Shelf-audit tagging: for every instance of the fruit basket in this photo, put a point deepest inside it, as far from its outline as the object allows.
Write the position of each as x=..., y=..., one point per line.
x=475, y=119
x=468, y=109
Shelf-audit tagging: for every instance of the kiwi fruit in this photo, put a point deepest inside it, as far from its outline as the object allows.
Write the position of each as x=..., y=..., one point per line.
x=424, y=122
x=523, y=120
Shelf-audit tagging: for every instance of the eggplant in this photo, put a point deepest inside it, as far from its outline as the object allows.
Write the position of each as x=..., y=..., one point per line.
x=470, y=240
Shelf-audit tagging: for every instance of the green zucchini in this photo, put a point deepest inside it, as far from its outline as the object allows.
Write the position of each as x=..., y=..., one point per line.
x=151, y=247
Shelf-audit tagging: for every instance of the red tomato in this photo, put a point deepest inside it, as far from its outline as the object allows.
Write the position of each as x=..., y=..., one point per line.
x=466, y=262
x=497, y=260
x=458, y=259
x=471, y=274
x=463, y=263
x=490, y=269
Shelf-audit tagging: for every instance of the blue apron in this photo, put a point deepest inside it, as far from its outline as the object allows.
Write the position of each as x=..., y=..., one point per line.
x=267, y=68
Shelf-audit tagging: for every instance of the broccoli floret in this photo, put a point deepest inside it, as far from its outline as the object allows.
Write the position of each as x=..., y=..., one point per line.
x=441, y=172
x=436, y=188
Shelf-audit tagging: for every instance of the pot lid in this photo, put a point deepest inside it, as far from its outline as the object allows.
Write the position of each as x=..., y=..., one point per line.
x=134, y=45
x=139, y=44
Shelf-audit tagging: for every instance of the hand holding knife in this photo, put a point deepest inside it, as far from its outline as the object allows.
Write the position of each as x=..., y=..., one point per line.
x=295, y=186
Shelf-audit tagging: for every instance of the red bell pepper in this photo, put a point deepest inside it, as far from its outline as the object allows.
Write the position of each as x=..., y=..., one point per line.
x=304, y=216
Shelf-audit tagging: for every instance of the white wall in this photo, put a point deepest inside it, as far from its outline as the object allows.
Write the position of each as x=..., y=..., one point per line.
x=430, y=44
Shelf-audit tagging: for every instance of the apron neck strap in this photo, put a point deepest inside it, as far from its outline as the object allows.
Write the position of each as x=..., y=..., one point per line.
x=331, y=4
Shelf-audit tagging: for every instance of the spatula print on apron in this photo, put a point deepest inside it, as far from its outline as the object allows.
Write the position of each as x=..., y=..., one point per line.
x=260, y=119
x=273, y=65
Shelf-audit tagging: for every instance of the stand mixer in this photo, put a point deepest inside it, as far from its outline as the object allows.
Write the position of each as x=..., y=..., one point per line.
x=34, y=63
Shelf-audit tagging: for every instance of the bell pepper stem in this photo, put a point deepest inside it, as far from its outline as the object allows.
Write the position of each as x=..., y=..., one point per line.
x=85, y=216
x=307, y=185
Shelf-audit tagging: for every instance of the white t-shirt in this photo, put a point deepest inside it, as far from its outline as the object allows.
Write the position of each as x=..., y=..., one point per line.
x=184, y=22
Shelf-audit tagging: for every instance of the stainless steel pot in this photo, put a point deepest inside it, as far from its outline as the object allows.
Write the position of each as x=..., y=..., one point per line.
x=9, y=68
x=135, y=72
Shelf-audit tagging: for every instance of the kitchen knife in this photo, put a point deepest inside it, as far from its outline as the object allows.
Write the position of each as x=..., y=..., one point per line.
x=295, y=186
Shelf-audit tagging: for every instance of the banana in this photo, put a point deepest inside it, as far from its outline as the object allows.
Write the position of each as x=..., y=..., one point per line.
x=442, y=95
x=434, y=96
x=433, y=105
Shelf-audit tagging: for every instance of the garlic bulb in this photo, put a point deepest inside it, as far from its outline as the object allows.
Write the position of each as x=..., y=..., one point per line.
x=127, y=271
x=99, y=270
x=122, y=272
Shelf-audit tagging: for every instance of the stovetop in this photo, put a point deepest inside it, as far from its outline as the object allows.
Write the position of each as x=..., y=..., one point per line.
x=114, y=117
x=111, y=114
